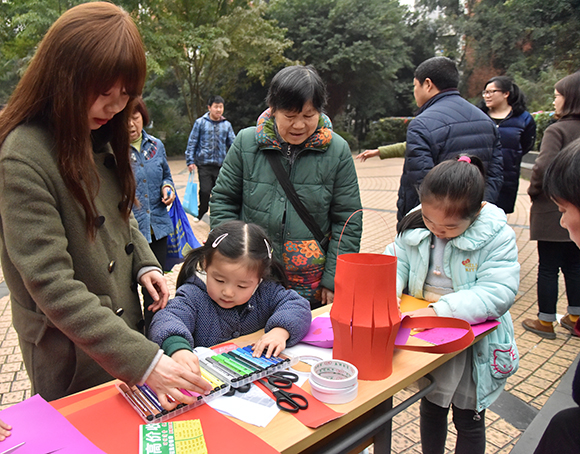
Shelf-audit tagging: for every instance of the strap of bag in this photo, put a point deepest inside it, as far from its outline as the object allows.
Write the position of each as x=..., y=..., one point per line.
x=306, y=217
x=439, y=322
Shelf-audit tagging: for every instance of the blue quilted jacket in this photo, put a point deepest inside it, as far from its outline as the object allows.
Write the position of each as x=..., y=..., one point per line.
x=209, y=141
x=447, y=125
x=194, y=316
x=151, y=175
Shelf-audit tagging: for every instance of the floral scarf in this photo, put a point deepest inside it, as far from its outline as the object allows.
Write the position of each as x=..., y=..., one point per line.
x=267, y=137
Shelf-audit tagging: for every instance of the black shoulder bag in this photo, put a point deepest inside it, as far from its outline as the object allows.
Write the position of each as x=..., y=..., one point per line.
x=286, y=184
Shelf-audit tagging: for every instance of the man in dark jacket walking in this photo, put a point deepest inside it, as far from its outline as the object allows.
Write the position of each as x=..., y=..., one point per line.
x=446, y=126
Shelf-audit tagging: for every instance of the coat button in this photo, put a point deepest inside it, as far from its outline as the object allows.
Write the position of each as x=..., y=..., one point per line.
x=111, y=266
x=120, y=311
x=99, y=221
x=236, y=334
x=129, y=248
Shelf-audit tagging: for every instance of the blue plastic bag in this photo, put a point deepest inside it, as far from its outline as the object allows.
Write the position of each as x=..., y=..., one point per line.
x=181, y=240
x=190, y=197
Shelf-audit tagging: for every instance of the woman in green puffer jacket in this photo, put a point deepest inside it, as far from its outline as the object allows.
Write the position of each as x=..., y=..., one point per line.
x=321, y=169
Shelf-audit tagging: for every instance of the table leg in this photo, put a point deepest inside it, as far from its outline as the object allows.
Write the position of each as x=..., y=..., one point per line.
x=382, y=438
x=379, y=427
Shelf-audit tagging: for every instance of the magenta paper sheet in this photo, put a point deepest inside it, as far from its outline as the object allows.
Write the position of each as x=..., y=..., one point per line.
x=43, y=429
x=438, y=336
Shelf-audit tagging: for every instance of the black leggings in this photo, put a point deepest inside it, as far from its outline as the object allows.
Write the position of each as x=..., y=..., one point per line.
x=470, y=431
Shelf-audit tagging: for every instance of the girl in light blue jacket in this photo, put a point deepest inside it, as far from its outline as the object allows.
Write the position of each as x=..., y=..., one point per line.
x=458, y=252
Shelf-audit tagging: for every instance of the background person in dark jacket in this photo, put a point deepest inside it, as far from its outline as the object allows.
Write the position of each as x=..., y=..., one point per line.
x=506, y=106
x=211, y=137
x=154, y=191
x=446, y=126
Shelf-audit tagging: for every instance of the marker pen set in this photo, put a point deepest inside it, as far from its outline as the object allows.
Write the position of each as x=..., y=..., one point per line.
x=238, y=367
x=234, y=368
x=145, y=402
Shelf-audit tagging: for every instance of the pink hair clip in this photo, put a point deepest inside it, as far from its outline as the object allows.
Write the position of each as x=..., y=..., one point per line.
x=464, y=159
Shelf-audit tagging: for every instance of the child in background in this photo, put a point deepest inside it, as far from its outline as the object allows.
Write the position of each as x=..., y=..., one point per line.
x=562, y=185
x=244, y=293
x=459, y=253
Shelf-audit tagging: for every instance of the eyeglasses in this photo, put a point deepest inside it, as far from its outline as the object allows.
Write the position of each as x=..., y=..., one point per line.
x=488, y=92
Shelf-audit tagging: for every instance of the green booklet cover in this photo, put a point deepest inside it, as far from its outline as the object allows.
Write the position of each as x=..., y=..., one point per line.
x=179, y=437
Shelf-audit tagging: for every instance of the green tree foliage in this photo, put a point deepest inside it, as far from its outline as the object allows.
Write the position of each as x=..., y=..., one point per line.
x=24, y=23
x=207, y=43
x=527, y=36
x=357, y=46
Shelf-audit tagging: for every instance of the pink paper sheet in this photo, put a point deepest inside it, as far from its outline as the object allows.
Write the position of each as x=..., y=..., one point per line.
x=43, y=429
x=438, y=336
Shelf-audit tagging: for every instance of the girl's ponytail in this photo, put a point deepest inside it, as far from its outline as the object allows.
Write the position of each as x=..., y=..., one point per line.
x=459, y=184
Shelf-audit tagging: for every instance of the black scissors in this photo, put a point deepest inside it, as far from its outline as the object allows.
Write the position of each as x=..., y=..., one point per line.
x=285, y=400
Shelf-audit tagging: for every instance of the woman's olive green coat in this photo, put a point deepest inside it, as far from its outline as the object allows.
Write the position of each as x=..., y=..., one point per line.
x=65, y=289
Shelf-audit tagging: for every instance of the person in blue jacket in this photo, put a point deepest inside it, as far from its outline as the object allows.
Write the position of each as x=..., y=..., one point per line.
x=210, y=139
x=505, y=104
x=243, y=293
x=154, y=191
x=446, y=126
x=458, y=253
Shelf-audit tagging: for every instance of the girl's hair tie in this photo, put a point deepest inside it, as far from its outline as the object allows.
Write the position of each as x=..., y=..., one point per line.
x=465, y=159
x=218, y=240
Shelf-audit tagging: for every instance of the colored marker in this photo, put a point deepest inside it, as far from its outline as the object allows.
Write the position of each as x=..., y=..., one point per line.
x=264, y=364
x=192, y=394
x=152, y=398
x=232, y=372
x=234, y=363
x=218, y=369
x=272, y=359
x=214, y=381
x=245, y=373
x=145, y=401
x=246, y=364
x=143, y=410
x=260, y=365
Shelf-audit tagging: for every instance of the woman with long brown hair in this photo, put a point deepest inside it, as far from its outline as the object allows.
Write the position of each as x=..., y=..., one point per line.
x=71, y=251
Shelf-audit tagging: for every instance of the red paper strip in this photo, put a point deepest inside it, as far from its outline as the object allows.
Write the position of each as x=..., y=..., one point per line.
x=317, y=412
x=113, y=426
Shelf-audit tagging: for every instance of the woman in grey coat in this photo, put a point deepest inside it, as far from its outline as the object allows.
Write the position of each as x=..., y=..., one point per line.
x=555, y=249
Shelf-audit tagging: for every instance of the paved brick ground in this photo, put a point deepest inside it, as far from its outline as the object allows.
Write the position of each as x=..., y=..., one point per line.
x=543, y=362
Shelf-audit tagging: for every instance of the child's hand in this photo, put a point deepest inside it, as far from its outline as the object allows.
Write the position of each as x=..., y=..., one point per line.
x=4, y=430
x=274, y=341
x=187, y=359
x=423, y=312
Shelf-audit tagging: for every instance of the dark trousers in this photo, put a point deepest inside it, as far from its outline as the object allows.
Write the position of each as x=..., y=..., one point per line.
x=207, y=175
x=433, y=424
x=562, y=435
x=159, y=248
x=554, y=256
